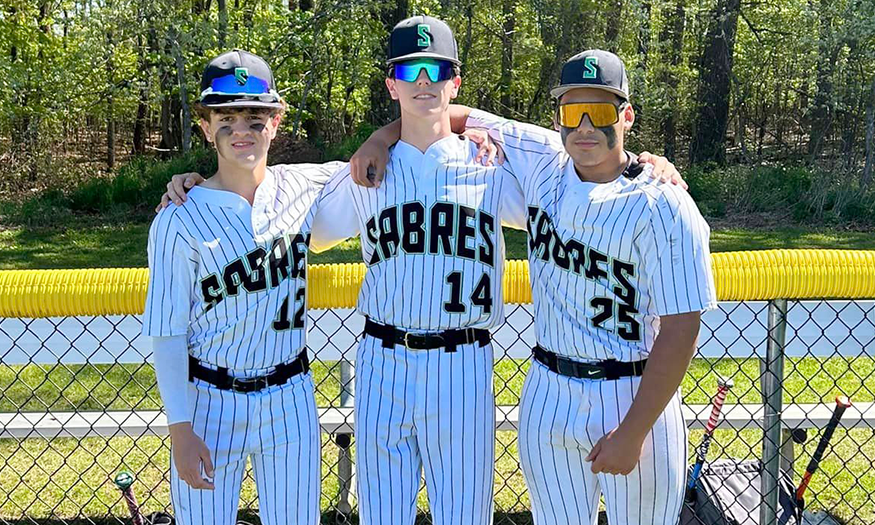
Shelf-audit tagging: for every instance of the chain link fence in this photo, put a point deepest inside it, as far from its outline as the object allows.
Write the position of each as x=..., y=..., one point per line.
x=78, y=403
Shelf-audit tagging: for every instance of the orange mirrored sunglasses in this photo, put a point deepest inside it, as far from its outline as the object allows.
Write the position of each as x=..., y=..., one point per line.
x=601, y=114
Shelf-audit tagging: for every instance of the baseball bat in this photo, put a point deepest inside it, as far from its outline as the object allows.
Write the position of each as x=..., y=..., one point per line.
x=123, y=481
x=842, y=403
x=723, y=386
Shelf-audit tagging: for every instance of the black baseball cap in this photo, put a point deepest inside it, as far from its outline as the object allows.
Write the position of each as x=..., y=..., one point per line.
x=238, y=79
x=422, y=37
x=596, y=69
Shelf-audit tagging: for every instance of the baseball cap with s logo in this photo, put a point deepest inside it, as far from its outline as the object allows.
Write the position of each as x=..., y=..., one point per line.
x=422, y=37
x=596, y=69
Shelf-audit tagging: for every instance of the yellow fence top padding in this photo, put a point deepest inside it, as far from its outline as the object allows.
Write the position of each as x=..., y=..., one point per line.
x=740, y=276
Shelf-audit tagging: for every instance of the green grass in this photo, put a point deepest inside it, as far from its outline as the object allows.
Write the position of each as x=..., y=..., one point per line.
x=120, y=244
x=59, y=477
x=129, y=386
x=737, y=239
x=104, y=246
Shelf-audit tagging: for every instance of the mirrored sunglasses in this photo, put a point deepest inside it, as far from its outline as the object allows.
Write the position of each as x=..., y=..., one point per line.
x=228, y=85
x=436, y=70
x=601, y=114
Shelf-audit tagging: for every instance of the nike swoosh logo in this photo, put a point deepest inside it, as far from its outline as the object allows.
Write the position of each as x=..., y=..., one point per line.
x=592, y=372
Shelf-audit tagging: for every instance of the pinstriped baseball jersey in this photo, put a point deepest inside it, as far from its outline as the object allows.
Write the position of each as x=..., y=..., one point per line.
x=431, y=237
x=232, y=276
x=605, y=260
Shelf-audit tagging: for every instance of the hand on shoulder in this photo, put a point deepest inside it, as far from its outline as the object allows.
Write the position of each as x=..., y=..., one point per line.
x=177, y=188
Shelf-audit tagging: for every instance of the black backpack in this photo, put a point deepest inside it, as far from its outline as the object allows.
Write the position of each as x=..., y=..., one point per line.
x=728, y=493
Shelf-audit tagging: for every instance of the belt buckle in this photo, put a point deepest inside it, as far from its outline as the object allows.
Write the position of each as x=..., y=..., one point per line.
x=248, y=384
x=412, y=345
x=566, y=368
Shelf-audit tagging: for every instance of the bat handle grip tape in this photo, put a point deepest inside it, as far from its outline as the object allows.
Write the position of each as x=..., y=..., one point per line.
x=824, y=441
x=136, y=518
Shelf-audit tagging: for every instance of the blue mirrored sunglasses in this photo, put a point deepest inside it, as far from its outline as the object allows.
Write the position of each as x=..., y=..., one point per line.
x=228, y=85
x=436, y=70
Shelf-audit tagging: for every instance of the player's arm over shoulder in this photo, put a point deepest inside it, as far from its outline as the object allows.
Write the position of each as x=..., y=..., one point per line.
x=315, y=173
x=526, y=147
x=516, y=134
x=336, y=219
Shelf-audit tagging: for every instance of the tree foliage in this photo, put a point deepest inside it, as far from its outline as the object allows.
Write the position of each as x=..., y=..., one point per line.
x=720, y=81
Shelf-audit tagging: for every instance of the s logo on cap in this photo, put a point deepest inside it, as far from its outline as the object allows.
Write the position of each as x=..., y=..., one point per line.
x=241, y=75
x=424, y=35
x=590, y=67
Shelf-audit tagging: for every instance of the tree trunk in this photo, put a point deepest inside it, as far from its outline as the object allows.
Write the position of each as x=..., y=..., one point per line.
x=13, y=50
x=169, y=140
x=469, y=36
x=822, y=114
x=644, y=37
x=223, y=22
x=110, y=117
x=615, y=20
x=185, y=116
x=248, y=16
x=66, y=27
x=870, y=139
x=715, y=76
x=852, y=92
x=671, y=38
x=143, y=101
x=506, y=80
x=382, y=110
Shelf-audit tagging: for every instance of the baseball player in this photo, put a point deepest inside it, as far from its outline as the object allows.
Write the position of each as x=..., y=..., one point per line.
x=226, y=311
x=431, y=240
x=620, y=273
x=434, y=249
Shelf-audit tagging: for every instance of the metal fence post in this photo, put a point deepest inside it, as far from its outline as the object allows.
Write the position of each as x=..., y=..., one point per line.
x=773, y=379
x=344, y=456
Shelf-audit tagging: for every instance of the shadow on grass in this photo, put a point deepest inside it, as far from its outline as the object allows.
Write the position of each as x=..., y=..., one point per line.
x=328, y=518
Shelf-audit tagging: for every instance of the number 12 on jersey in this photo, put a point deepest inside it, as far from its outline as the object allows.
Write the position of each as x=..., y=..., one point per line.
x=481, y=296
x=282, y=321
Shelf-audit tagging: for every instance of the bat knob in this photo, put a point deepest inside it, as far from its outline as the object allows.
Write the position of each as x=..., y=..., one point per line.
x=725, y=382
x=124, y=480
x=690, y=495
x=843, y=401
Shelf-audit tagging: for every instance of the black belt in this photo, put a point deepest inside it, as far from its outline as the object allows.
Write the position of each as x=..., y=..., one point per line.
x=448, y=339
x=220, y=378
x=609, y=369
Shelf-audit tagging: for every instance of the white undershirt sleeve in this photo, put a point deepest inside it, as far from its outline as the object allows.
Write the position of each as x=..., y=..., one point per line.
x=170, y=355
x=336, y=219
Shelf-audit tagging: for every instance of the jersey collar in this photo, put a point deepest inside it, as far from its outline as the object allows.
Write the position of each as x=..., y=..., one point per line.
x=229, y=199
x=442, y=149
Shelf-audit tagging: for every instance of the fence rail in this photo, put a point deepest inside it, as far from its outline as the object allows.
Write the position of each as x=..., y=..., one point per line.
x=794, y=329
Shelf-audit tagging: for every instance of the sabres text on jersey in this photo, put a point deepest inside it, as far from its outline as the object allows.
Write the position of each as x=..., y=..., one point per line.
x=581, y=260
x=259, y=269
x=446, y=228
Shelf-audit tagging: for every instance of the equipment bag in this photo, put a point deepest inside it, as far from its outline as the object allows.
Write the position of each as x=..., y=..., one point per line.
x=728, y=493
